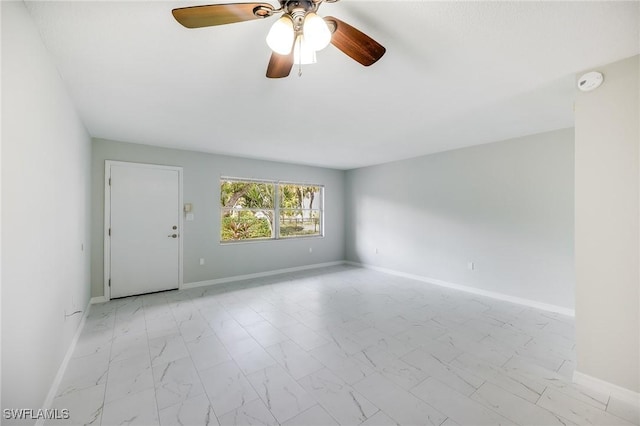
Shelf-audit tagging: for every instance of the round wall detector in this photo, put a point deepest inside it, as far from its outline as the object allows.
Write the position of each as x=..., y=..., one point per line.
x=589, y=81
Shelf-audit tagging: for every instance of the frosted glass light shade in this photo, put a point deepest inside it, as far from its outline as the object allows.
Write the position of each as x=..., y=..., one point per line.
x=281, y=35
x=302, y=52
x=316, y=32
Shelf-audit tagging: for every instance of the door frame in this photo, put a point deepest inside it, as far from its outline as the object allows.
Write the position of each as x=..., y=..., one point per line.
x=107, y=218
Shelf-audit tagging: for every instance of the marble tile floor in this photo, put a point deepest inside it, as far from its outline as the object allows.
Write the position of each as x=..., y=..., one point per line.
x=334, y=346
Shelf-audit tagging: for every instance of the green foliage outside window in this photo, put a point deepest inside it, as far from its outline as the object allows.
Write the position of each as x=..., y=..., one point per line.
x=250, y=195
x=245, y=226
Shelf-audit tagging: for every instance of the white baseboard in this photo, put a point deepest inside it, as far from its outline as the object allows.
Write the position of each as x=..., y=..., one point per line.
x=616, y=391
x=258, y=275
x=494, y=295
x=53, y=390
x=99, y=299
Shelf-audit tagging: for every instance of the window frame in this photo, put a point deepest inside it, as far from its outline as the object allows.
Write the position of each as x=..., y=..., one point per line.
x=276, y=210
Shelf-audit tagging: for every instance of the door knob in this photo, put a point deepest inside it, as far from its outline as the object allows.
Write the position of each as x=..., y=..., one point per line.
x=173, y=236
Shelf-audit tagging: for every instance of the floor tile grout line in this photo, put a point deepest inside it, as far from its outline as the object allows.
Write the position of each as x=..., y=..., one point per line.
x=106, y=383
x=155, y=393
x=238, y=366
x=286, y=372
x=199, y=375
x=313, y=372
x=517, y=396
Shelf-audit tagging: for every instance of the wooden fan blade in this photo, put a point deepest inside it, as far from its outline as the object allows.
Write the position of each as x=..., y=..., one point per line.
x=220, y=14
x=279, y=65
x=354, y=43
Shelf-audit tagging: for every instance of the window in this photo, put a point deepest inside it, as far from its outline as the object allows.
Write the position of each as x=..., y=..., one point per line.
x=261, y=210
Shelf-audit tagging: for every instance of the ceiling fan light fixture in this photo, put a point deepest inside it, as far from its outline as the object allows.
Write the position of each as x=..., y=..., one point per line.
x=316, y=31
x=303, y=53
x=281, y=35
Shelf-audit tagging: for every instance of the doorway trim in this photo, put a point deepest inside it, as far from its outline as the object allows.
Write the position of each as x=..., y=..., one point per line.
x=107, y=218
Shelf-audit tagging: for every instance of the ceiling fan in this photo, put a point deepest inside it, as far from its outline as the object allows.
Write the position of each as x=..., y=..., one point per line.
x=294, y=37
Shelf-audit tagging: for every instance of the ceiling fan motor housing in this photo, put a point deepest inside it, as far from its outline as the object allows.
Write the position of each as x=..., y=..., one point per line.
x=298, y=9
x=307, y=5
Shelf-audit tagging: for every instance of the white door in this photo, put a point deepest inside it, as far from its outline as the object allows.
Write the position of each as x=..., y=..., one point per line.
x=143, y=224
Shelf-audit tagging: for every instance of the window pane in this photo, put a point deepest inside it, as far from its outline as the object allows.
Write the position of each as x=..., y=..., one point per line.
x=247, y=210
x=251, y=195
x=299, y=222
x=245, y=224
x=299, y=196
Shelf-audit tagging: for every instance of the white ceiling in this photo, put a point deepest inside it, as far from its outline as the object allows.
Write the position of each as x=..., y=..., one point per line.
x=455, y=74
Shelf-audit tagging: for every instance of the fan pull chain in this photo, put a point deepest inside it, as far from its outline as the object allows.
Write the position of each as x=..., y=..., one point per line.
x=299, y=41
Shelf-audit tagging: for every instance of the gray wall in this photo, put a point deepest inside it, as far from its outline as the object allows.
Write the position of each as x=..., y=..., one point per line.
x=505, y=206
x=201, y=238
x=45, y=214
x=607, y=216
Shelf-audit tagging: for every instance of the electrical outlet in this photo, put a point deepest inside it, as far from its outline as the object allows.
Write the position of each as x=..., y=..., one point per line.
x=471, y=266
x=310, y=249
x=202, y=261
